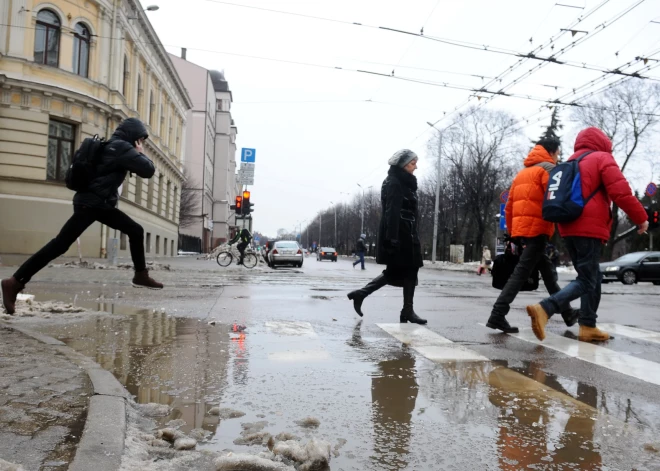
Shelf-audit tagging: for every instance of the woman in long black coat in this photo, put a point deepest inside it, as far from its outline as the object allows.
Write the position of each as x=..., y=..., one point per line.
x=398, y=244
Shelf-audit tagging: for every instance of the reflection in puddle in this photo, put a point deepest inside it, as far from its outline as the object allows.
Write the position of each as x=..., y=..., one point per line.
x=398, y=410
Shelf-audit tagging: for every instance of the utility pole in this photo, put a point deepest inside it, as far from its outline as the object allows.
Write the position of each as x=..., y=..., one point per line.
x=437, y=203
x=362, y=226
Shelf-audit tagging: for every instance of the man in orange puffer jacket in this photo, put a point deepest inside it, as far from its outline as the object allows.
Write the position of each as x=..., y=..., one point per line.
x=600, y=175
x=523, y=218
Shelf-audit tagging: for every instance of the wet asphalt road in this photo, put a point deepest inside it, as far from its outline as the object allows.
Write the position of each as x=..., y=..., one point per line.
x=397, y=405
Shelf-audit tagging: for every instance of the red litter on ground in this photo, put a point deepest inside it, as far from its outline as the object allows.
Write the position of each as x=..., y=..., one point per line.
x=238, y=327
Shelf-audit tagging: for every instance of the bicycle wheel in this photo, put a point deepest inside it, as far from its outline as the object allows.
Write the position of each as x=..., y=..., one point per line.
x=224, y=259
x=250, y=260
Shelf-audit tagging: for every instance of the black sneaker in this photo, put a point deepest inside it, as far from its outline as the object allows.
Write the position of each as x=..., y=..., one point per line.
x=500, y=323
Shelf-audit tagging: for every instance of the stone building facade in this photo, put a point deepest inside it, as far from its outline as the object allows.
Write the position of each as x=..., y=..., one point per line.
x=70, y=70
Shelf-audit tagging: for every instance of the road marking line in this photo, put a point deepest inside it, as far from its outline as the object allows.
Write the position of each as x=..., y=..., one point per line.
x=631, y=332
x=431, y=345
x=628, y=365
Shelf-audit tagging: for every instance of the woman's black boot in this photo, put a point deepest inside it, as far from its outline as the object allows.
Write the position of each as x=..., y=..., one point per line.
x=358, y=295
x=408, y=313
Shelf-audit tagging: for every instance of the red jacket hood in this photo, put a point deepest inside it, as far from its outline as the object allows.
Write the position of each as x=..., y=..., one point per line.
x=537, y=155
x=592, y=139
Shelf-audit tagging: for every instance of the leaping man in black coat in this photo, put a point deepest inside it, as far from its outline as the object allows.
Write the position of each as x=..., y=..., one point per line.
x=123, y=153
x=398, y=245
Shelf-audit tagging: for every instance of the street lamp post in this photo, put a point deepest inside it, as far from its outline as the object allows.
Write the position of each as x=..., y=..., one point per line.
x=362, y=226
x=437, y=198
x=335, y=207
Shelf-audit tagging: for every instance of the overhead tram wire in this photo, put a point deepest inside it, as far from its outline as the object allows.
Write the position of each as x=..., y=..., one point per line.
x=603, y=25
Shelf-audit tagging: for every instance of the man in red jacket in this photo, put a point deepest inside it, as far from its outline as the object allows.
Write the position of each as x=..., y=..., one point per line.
x=586, y=235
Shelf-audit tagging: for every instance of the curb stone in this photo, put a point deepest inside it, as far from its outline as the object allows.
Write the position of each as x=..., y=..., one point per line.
x=102, y=443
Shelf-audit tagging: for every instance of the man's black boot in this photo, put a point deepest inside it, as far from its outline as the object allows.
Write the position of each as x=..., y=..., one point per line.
x=499, y=322
x=570, y=316
x=358, y=295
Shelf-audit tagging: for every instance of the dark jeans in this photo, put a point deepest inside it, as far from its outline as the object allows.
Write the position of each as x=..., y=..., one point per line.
x=82, y=218
x=585, y=254
x=360, y=259
x=241, y=249
x=533, y=256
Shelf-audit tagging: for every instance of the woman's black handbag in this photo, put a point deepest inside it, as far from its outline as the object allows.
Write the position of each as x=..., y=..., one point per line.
x=503, y=267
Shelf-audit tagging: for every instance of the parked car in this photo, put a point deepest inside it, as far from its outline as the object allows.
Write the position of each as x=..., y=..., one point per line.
x=286, y=252
x=633, y=268
x=326, y=253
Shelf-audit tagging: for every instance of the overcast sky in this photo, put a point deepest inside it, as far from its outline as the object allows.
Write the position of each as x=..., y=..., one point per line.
x=319, y=131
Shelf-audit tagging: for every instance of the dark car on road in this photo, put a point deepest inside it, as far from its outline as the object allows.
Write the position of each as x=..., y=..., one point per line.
x=326, y=253
x=633, y=268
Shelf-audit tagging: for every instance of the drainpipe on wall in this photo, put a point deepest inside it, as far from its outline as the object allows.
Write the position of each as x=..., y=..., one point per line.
x=104, y=228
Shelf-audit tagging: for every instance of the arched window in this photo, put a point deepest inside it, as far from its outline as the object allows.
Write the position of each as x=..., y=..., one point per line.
x=139, y=96
x=81, y=50
x=47, y=38
x=152, y=109
x=124, y=87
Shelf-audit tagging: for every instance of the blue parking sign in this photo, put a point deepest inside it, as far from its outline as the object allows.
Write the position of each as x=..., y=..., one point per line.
x=248, y=155
x=502, y=217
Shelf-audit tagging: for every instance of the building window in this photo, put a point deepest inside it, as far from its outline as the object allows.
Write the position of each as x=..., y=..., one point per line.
x=157, y=244
x=172, y=248
x=81, y=50
x=60, y=149
x=165, y=247
x=174, y=198
x=124, y=87
x=138, y=190
x=152, y=109
x=124, y=187
x=122, y=241
x=139, y=95
x=150, y=194
x=148, y=245
x=161, y=190
x=167, y=199
x=47, y=38
x=162, y=121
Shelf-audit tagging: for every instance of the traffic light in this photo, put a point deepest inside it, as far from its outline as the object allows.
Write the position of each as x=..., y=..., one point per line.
x=238, y=207
x=247, y=206
x=654, y=218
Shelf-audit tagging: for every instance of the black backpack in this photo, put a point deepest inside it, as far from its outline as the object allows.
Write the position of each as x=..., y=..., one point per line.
x=83, y=167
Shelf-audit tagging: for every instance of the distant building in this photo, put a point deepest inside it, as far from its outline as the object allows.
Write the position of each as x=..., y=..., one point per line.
x=69, y=70
x=210, y=154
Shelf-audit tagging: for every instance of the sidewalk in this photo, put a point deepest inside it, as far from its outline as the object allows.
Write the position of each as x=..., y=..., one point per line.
x=43, y=403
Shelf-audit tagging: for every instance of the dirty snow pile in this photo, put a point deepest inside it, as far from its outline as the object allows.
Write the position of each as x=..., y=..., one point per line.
x=170, y=449
x=463, y=267
x=101, y=266
x=26, y=306
x=7, y=466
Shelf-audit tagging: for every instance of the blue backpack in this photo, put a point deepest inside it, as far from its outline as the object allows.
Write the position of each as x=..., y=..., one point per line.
x=563, y=201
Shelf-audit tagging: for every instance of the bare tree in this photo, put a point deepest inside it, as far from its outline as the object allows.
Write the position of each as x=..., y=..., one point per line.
x=189, y=208
x=478, y=150
x=628, y=114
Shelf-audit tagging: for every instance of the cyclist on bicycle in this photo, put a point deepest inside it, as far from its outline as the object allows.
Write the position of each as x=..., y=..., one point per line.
x=245, y=238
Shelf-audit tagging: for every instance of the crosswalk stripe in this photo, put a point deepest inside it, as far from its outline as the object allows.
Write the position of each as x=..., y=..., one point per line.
x=429, y=344
x=631, y=332
x=623, y=363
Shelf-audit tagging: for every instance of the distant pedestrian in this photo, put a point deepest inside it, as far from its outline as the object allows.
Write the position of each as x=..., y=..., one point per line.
x=602, y=182
x=524, y=219
x=398, y=245
x=360, y=248
x=486, y=261
x=123, y=153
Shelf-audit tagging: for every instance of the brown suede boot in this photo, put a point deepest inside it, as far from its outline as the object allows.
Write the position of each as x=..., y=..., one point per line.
x=592, y=334
x=143, y=280
x=539, y=320
x=10, y=289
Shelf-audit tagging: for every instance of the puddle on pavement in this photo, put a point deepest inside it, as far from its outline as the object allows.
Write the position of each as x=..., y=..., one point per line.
x=396, y=409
